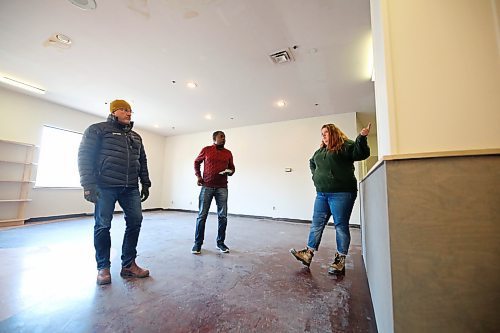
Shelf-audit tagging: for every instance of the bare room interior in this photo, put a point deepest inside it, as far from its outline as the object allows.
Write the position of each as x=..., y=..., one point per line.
x=269, y=74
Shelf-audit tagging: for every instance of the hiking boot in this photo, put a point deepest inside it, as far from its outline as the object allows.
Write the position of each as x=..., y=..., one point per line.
x=134, y=271
x=103, y=276
x=305, y=255
x=338, y=264
x=196, y=249
x=223, y=248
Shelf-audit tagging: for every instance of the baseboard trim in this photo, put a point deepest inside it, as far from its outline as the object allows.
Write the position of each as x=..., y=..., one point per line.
x=71, y=216
x=56, y=217
x=258, y=217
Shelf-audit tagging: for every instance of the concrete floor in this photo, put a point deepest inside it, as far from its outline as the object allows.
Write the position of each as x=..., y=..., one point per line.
x=48, y=280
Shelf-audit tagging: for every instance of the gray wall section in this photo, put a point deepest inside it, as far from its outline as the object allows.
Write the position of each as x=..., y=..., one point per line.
x=444, y=230
x=376, y=249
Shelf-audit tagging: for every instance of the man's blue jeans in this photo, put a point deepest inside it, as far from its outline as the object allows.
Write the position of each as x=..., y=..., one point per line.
x=206, y=195
x=338, y=204
x=129, y=199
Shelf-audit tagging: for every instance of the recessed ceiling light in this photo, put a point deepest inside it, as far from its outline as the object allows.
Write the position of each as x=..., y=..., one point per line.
x=58, y=40
x=208, y=116
x=281, y=103
x=156, y=126
x=191, y=85
x=84, y=4
x=21, y=85
x=63, y=39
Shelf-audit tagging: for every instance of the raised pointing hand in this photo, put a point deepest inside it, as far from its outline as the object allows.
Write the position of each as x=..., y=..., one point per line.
x=366, y=130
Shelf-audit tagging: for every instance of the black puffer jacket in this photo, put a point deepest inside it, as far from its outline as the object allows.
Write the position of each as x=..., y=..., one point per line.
x=112, y=155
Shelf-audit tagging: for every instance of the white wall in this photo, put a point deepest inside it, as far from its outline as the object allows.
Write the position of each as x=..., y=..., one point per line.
x=261, y=154
x=22, y=119
x=386, y=122
x=437, y=74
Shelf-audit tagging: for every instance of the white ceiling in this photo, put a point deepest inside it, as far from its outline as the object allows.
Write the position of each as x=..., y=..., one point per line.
x=134, y=49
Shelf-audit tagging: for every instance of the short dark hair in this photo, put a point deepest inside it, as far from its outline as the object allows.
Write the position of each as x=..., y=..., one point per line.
x=216, y=133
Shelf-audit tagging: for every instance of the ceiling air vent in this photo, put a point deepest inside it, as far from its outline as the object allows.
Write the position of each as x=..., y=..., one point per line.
x=282, y=56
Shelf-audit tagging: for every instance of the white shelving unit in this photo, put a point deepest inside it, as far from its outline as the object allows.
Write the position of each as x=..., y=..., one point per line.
x=16, y=172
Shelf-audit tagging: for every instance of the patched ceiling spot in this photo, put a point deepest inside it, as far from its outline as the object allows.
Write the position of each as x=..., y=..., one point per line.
x=140, y=6
x=190, y=14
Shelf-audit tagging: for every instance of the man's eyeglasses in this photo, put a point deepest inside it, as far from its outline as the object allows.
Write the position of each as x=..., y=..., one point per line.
x=125, y=110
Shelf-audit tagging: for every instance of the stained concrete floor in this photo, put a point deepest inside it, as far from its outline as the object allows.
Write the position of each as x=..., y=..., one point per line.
x=48, y=280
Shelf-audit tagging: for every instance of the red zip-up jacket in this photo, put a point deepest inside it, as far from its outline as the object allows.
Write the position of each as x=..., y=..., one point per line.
x=215, y=160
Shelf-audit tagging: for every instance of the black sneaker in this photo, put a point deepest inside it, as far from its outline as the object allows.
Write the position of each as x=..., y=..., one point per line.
x=223, y=248
x=196, y=249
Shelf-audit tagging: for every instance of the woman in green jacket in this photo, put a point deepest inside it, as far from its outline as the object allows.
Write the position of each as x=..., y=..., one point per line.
x=332, y=167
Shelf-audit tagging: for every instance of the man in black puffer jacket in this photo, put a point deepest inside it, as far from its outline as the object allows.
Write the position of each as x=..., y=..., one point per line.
x=111, y=160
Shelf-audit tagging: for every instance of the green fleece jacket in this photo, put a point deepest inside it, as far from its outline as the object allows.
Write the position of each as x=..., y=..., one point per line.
x=334, y=171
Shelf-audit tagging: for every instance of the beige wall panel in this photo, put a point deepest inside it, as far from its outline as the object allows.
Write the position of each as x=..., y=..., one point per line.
x=437, y=75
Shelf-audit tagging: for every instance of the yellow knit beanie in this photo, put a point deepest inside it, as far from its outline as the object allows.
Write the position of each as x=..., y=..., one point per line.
x=119, y=104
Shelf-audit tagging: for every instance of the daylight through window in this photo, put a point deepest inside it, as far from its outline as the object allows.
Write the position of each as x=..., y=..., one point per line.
x=58, y=162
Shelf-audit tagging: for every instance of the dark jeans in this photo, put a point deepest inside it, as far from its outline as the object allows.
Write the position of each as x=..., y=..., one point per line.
x=206, y=195
x=130, y=200
x=338, y=204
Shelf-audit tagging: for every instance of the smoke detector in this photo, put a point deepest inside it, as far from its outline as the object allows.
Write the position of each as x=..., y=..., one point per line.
x=282, y=56
x=84, y=4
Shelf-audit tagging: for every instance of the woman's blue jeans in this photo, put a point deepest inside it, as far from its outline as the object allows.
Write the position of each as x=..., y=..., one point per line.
x=129, y=199
x=206, y=196
x=338, y=204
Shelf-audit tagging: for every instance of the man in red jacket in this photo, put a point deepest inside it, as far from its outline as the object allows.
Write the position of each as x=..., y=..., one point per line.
x=218, y=164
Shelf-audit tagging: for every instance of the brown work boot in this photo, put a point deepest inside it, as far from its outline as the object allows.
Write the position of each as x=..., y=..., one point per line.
x=305, y=255
x=103, y=276
x=338, y=264
x=134, y=271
